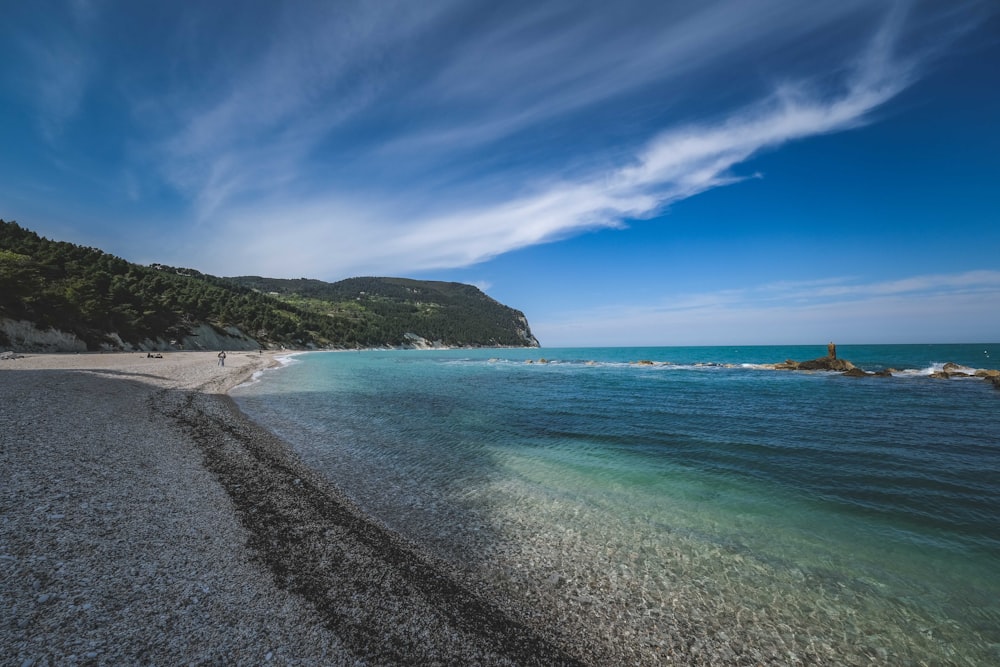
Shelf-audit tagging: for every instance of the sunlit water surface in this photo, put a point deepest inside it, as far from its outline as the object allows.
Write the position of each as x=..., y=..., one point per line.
x=822, y=516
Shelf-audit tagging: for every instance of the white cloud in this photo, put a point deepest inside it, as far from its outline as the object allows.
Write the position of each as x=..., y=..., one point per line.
x=963, y=307
x=61, y=70
x=448, y=83
x=422, y=98
x=252, y=133
x=559, y=58
x=387, y=236
x=483, y=285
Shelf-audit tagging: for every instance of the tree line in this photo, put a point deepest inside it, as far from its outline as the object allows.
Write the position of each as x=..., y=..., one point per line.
x=98, y=296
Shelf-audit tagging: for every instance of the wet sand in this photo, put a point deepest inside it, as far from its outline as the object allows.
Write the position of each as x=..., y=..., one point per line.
x=145, y=520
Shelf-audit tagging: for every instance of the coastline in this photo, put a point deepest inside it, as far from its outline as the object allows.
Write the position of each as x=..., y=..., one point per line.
x=681, y=570
x=145, y=519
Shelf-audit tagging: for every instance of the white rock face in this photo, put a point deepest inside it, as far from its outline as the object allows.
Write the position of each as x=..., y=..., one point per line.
x=205, y=337
x=415, y=342
x=524, y=331
x=24, y=337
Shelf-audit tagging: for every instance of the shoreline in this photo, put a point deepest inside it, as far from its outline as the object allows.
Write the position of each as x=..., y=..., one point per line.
x=147, y=520
x=690, y=574
x=144, y=519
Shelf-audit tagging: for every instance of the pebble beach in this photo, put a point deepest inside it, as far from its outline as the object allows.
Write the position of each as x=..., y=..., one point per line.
x=144, y=520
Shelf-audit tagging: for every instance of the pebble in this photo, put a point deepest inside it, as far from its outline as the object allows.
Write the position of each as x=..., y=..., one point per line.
x=555, y=580
x=141, y=559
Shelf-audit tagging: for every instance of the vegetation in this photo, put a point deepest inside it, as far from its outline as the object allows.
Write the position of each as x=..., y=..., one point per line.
x=99, y=297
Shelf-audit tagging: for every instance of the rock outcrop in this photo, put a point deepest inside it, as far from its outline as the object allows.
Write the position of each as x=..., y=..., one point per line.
x=415, y=342
x=953, y=370
x=846, y=368
x=820, y=364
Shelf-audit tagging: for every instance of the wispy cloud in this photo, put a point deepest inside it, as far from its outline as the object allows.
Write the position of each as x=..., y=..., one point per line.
x=402, y=138
x=61, y=64
x=559, y=58
x=310, y=73
x=371, y=237
x=962, y=307
x=971, y=282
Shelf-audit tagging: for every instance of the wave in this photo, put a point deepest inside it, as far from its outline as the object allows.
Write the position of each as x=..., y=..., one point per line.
x=590, y=363
x=282, y=362
x=934, y=369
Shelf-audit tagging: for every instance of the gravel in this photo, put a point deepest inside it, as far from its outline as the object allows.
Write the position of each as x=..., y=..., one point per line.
x=145, y=521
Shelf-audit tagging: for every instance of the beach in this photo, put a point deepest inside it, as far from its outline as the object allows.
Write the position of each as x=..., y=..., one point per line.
x=465, y=508
x=145, y=520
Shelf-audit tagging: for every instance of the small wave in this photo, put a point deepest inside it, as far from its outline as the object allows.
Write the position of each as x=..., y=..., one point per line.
x=758, y=367
x=641, y=364
x=288, y=359
x=283, y=361
x=935, y=368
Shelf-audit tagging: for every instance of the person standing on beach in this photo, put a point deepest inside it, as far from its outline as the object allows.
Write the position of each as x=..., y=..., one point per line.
x=222, y=358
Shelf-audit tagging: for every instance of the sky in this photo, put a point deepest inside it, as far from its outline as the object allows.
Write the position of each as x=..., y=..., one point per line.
x=631, y=173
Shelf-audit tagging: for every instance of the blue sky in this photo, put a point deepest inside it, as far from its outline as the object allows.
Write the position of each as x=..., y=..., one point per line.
x=630, y=173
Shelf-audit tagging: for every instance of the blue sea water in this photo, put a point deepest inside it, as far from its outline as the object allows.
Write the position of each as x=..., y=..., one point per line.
x=847, y=519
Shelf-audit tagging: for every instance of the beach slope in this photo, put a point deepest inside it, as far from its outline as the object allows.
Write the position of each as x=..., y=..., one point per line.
x=145, y=520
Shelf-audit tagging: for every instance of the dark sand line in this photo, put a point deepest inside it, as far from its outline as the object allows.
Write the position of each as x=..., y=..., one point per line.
x=387, y=601
x=145, y=520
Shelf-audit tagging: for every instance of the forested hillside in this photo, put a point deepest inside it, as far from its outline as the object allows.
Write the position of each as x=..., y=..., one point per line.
x=386, y=309
x=109, y=303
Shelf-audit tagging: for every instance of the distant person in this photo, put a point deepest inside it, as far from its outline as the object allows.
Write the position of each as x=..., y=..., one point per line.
x=222, y=358
x=831, y=350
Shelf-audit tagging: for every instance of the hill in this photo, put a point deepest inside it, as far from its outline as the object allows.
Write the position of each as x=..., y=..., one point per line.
x=62, y=296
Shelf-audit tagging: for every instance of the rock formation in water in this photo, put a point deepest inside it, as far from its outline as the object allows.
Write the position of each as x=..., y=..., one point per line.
x=820, y=364
x=831, y=363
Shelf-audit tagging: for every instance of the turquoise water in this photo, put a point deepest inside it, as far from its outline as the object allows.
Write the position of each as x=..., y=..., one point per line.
x=822, y=517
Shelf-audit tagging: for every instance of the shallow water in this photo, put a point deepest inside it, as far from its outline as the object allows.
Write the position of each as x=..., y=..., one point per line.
x=808, y=517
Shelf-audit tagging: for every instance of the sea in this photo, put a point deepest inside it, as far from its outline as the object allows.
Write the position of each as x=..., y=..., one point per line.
x=800, y=517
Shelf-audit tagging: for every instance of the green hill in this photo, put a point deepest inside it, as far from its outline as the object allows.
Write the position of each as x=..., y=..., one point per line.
x=57, y=295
